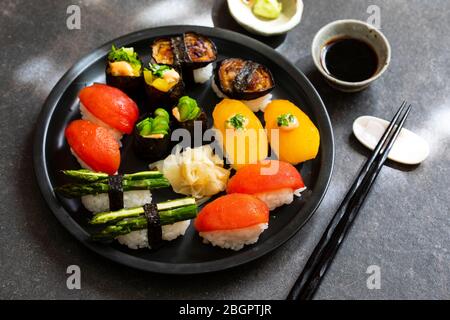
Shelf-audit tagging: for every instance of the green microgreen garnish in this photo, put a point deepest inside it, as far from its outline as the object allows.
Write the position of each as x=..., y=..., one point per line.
x=238, y=121
x=286, y=120
x=158, y=69
x=124, y=54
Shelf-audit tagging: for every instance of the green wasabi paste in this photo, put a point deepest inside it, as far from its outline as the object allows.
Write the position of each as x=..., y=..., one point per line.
x=268, y=9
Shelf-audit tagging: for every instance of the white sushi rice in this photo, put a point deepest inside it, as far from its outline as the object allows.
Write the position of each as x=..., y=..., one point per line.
x=138, y=239
x=255, y=105
x=276, y=198
x=81, y=162
x=201, y=75
x=234, y=239
x=259, y=103
x=86, y=115
x=216, y=89
x=298, y=192
x=131, y=199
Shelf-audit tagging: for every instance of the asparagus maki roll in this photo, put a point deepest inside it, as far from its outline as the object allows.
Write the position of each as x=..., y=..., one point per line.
x=147, y=225
x=152, y=136
x=190, y=116
x=124, y=70
x=163, y=84
x=102, y=192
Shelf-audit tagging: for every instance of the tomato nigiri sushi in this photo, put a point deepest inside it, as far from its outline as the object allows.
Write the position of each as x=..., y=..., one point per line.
x=109, y=107
x=272, y=181
x=94, y=147
x=232, y=221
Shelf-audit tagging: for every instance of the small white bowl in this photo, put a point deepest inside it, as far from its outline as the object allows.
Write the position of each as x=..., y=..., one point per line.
x=290, y=16
x=357, y=30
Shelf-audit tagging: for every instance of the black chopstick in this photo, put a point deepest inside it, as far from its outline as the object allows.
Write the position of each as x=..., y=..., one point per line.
x=324, y=252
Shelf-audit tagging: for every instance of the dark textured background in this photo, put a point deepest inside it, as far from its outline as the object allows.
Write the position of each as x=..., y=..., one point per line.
x=404, y=227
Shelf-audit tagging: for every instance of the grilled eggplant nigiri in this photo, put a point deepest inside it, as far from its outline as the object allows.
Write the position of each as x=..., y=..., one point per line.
x=193, y=52
x=200, y=53
x=244, y=80
x=162, y=51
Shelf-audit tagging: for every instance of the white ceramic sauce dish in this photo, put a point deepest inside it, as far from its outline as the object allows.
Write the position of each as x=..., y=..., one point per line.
x=291, y=15
x=353, y=29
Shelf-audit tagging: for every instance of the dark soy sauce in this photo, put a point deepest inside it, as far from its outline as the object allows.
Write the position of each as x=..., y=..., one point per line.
x=349, y=59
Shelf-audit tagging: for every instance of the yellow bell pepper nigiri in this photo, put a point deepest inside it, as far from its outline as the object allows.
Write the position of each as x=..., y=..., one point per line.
x=298, y=138
x=242, y=135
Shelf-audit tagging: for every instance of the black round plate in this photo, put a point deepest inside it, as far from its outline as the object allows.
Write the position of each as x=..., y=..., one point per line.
x=186, y=255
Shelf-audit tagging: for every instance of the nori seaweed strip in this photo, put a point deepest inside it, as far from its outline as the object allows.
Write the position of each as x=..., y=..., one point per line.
x=179, y=51
x=151, y=149
x=154, y=230
x=189, y=125
x=132, y=86
x=244, y=77
x=115, y=192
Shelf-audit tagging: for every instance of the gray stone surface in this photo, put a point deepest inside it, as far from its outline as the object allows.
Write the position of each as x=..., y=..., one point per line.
x=405, y=224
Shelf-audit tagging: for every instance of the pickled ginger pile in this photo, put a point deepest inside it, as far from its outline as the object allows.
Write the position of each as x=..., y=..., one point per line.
x=197, y=172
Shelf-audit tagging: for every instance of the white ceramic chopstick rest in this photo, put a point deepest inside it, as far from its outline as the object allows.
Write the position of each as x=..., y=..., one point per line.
x=408, y=149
